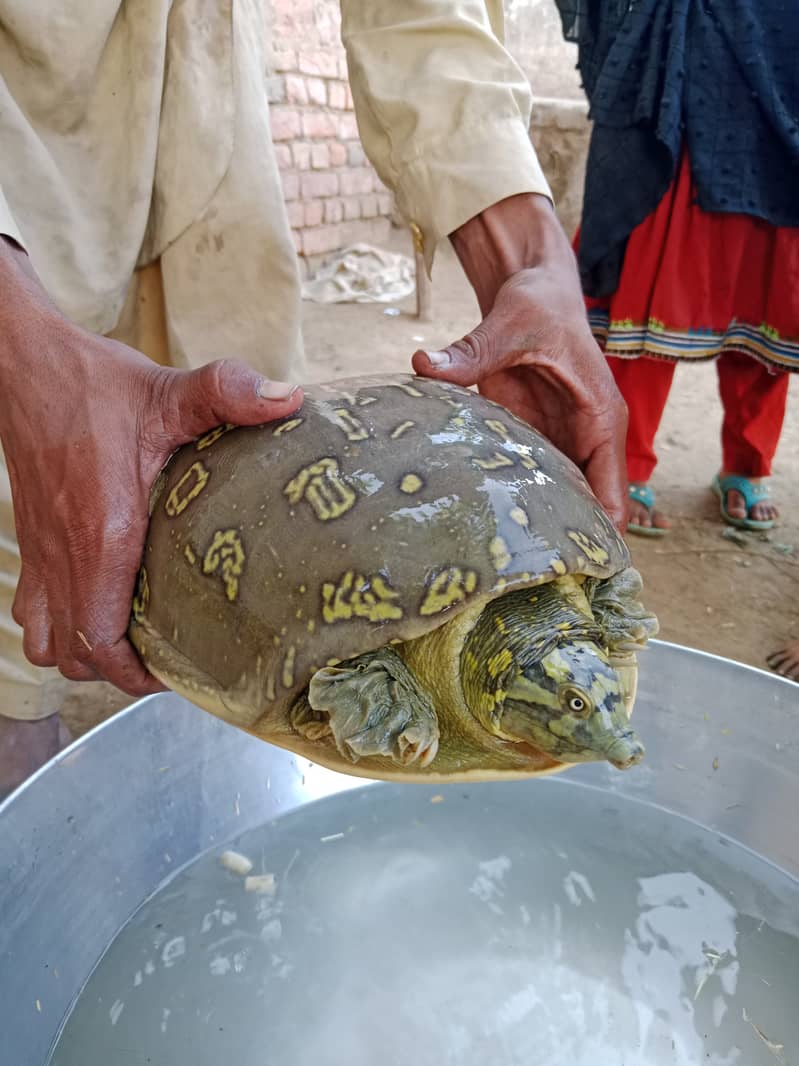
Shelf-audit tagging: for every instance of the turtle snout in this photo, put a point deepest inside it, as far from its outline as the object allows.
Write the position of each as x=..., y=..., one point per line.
x=625, y=751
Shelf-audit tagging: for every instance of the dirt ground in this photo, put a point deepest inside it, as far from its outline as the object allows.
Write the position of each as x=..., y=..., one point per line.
x=733, y=597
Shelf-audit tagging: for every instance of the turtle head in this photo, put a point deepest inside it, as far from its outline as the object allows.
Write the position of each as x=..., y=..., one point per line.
x=570, y=704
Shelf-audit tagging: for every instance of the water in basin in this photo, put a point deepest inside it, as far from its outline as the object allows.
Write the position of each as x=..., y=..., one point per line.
x=538, y=923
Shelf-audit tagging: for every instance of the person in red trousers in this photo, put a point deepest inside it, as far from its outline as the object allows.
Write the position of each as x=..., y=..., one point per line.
x=689, y=240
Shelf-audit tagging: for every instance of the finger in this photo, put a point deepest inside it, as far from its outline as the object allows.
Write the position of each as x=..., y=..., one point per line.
x=225, y=391
x=473, y=357
x=119, y=664
x=32, y=613
x=606, y=473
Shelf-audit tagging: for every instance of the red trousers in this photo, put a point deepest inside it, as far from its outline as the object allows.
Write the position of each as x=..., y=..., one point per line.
x=753, y=399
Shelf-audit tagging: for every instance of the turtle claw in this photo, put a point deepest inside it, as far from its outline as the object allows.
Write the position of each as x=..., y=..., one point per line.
x=375, y=706
x=400, y=738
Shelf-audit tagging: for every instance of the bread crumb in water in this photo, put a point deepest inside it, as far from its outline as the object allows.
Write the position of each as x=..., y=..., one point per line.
x=437, y=799
x=235, y=862
x=263, y=884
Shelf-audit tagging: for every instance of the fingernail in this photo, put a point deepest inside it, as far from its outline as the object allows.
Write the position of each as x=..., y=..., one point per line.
x=438, y=359
x=275, y=390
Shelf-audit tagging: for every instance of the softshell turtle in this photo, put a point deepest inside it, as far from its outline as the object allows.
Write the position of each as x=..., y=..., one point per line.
x=401, y=580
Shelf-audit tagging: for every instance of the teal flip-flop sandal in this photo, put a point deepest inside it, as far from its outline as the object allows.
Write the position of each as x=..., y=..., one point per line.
x=644, y=495
x=751, y=493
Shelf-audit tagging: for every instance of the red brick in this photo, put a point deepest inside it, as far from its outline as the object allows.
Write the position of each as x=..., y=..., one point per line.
x=296, y=213
x=317, y=93
x=352, y=207
x=286, y=124
x=296, y=91
x=283, y=156
x=317, y=126
x=356, y=156
x=334, y=210
x=356, y=181
x=301, y=154
x=321, y=62
x=315, y=184
x=284, y=59
x=337, y=95
x=369, y=206
x=314, y=210
x=320, y=156
x=347, y=127
x=291, y=185
x=338, y=154
x=321, y=239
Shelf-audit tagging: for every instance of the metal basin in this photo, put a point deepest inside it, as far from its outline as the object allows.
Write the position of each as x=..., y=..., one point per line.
x=92, y=836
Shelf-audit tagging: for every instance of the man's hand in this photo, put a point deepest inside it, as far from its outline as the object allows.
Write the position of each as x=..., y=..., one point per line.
x=86, y=425
x=534, y=352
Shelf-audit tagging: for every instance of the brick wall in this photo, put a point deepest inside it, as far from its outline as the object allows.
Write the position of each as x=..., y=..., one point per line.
x=333, y=195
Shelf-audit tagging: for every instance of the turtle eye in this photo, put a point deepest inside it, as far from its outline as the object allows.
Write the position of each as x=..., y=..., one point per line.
x=576, y=703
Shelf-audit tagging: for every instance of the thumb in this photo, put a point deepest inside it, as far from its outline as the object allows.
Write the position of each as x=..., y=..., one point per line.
x=225, y=391
x=469, y=360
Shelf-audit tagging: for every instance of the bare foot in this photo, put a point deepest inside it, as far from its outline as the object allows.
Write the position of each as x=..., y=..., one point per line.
x=640, y=514
x=762, y=511
x=786, y=660
x=26, y=746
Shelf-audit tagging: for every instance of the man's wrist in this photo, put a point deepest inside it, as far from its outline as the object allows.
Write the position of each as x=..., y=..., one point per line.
x=515, y=234
x=24, y=303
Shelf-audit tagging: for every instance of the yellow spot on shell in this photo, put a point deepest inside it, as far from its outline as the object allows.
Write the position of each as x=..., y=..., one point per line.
x=323, y=487
x=270, y=688
x=558, y=566
x=410, y=390
x=403, y=427
x=358, y=596
x=287, y=676
x=191, y=558
x=366, y=400
x=311, y=625
x=500, y=556
x=287, y=427
x=519, y=517
x=498, y=427
x=333, y=661
x=352, y=426
x=226, y=556
x=141, y=600
x=450, y=586
x=188, y=488
x=494, y=462
x=213, y=435
x=411, y=483
x=594, y=551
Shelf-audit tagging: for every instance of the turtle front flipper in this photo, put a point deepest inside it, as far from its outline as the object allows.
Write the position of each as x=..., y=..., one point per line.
x=625, y=623
x=373, y=706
